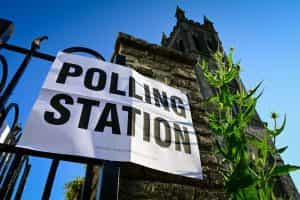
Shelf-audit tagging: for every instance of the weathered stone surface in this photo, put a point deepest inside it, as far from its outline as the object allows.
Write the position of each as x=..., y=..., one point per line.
x=157, y=191
x=203, y=130
x=208, y=158
x=184, y=73
x=205, y=142
x=190, y=85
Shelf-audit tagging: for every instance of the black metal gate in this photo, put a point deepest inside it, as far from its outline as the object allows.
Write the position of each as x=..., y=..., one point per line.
x=14, y=161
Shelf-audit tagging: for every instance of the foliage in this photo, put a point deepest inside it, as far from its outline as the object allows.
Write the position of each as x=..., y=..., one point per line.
x=73, y=188
x=249, y=159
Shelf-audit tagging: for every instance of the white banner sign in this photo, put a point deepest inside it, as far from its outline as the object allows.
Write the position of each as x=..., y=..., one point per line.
x=102, y=110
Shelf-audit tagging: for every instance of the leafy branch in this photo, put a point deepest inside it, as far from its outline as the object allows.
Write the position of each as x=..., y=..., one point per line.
x=251, y=167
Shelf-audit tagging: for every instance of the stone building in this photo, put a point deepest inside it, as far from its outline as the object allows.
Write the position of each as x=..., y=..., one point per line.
x=173, y=63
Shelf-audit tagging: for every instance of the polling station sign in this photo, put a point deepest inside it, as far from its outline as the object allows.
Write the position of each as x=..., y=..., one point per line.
x=102, y=110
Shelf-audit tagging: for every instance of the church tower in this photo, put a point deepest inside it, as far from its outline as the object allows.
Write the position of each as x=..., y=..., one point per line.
x=196, y=39
x=192, y=37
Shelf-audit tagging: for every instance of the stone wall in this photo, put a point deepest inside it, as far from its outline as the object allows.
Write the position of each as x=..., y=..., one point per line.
x=177, y=70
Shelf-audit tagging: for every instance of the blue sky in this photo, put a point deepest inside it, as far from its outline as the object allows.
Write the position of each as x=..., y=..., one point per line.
x=265, y=35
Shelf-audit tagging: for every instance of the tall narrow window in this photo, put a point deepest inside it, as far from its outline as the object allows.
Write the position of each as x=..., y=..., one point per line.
x=181, y=46
x=196, y=42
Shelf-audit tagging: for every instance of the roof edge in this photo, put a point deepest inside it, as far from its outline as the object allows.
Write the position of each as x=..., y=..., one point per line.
x=153, y=48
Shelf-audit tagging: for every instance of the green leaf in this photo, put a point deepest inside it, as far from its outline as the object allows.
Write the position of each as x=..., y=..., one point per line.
x=249, y=111
x=284, y=169
x=281, y=150
x=259, y=95
x=250, y=193
x=254, y=141
x=232, y=73
x=253, y=90
x=214, y=99
x=221, y=150
x=279, y=130
x=241, y=178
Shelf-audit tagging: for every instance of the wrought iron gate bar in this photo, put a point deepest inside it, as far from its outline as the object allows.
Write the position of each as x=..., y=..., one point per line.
x=9, y=176
x=18, y=156
x=35, y=45
x=21, y=186
x=8, y=159
x=49, y=57
x=84, y=50
x=4, y=72
x=87, y=184
x=31, y=152
x=22, y=50
x=14, y=178
x=50, y=179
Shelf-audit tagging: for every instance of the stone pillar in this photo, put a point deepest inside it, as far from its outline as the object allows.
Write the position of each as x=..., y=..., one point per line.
x=177, y=70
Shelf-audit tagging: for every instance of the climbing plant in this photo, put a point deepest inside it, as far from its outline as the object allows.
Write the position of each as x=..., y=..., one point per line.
x=249, y=159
